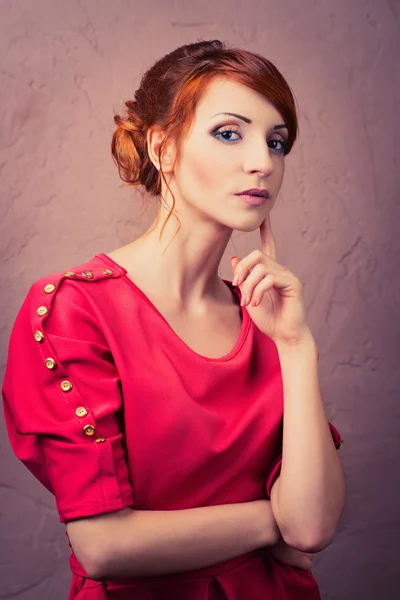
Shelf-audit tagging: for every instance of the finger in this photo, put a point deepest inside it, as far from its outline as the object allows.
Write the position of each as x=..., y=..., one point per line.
x=245, y=266
x=268, y=242
x=259, y=278
x=235, y=260
x=256, y=284
x=308, y=565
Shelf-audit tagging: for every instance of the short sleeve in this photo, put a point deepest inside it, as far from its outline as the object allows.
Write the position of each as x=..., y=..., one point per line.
x=275, y=469
x=63, y=403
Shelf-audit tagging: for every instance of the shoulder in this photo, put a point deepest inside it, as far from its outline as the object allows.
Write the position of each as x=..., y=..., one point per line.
x=78, y=276
x=65, y=291
x=93, y=270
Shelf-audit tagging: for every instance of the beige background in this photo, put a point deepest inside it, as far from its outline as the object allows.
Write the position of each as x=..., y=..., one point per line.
x=65, y=67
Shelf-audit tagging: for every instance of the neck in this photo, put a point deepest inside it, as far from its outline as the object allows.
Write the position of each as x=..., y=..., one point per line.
x=185, y=266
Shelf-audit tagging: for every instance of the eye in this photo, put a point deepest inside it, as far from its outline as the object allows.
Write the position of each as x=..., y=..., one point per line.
x=225, y=131
x=283, y=143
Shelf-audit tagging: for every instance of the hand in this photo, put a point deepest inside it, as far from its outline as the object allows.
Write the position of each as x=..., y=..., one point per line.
x=272, y=294
x=287, y=555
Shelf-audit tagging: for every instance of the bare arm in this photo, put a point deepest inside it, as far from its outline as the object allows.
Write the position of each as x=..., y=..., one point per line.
x=309, y=495
x=131, y=543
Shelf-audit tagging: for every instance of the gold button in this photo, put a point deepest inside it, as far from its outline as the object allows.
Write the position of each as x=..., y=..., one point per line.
x=89, y=430
x=66, y=385
x=70, y=274
x=42, y=310
x=100, y=440
x=50, y=287
x=107, y=271
x=81, y=412
x=340, y=444
x=88, y=274
x=39, y=337
x=50, y=363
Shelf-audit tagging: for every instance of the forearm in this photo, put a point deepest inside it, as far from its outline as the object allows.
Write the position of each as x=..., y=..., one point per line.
x=310, y=497
x=141, y=543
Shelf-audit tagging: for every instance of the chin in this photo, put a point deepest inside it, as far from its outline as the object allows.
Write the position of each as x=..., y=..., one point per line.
x=247, y=229
x=242, y=227
x=250, y=222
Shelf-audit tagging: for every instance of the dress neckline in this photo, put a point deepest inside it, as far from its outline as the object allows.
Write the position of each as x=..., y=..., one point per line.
x=246, y=320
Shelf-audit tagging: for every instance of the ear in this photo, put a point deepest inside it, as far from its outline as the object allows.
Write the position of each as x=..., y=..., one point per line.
x=155, y=136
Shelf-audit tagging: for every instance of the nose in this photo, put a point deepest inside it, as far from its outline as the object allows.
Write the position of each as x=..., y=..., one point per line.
x=258, y=158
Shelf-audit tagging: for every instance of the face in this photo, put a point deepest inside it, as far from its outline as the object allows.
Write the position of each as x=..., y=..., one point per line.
x=224, y=155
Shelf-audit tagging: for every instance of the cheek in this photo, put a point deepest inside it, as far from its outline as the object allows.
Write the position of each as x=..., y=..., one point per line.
x=204, y=172
x=208, y=168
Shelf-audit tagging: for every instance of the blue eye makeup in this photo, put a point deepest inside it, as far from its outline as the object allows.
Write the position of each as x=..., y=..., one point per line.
x=228, y=131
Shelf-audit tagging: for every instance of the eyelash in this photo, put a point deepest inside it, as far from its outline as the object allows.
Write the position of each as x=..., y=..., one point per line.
x=216, y=132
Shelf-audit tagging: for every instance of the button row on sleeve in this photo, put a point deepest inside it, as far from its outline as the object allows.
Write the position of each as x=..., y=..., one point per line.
x=51, y=364
x=88, y=274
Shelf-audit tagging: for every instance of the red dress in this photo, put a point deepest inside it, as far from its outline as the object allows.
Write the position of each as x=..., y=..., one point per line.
x=112, y=409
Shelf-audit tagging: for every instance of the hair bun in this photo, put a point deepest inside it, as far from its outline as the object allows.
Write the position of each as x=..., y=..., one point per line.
x=133, y=115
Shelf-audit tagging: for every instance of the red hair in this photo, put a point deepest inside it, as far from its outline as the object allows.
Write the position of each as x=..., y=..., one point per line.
x=167, y=97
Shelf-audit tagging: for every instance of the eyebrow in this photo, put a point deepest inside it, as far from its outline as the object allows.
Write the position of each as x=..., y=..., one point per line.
x=247, y=120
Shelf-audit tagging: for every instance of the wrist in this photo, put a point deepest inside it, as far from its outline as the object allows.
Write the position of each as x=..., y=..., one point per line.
x=305, y=342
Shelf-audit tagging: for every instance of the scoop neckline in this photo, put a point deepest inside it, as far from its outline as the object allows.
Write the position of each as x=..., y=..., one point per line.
x=246, y=321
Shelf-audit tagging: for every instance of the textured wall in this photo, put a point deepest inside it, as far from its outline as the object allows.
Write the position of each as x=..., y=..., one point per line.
x=65, y=66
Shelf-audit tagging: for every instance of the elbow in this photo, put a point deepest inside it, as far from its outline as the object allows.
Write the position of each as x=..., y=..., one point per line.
x=322, y=537
x=294, y=536
x=98, y=544
x=92, y=562
x=312, y=537
x=88, y=546
x=304, y=542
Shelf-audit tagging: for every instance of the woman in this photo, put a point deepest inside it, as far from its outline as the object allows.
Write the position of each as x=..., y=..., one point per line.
x=158, y=400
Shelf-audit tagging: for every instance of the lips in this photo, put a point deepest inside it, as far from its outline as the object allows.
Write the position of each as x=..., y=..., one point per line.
x=255, y=192
x=254, y=200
